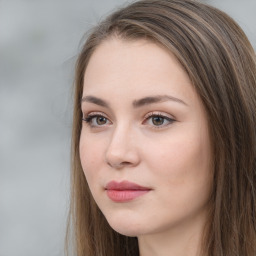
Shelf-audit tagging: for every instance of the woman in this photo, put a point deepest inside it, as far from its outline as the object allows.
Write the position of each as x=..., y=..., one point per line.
x=163, y=151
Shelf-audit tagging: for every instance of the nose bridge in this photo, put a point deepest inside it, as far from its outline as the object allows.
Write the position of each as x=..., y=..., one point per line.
x=122, y=149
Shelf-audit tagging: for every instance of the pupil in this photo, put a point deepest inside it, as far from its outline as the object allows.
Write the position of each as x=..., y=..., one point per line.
x=158, y=120
x=101, y=120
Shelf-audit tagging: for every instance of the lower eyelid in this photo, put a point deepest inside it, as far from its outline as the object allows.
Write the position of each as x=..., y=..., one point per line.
x=166, y=122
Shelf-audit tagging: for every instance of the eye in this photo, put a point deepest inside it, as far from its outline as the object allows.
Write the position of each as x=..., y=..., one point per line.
x=96, y=120
x=158, y=120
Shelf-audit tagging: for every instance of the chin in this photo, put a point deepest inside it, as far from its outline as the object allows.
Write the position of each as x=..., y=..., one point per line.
x=127, y=231
x=126, y=226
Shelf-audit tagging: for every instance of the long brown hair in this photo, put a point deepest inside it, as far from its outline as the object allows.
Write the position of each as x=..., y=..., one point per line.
x=221, y=64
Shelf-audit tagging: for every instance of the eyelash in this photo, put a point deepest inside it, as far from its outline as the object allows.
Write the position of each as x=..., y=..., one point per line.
x=89, y=119
x=157, y=114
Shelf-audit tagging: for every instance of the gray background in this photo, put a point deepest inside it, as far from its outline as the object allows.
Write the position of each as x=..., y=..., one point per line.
x=39, y=41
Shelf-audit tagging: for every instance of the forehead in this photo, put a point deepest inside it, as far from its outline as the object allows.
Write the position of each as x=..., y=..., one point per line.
x=134, y=67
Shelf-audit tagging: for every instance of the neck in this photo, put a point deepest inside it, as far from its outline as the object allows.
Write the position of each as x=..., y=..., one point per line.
x=182, y=240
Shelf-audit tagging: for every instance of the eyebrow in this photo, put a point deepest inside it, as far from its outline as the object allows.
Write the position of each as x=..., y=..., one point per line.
x=136, y=103
x=95, y=100
x=156, y=99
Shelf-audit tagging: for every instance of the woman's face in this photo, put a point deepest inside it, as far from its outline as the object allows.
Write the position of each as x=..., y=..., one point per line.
x=144, y=145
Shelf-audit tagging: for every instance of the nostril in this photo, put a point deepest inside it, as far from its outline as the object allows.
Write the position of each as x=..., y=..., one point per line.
x=121, y=153
x=126, y=163
x=119, y=165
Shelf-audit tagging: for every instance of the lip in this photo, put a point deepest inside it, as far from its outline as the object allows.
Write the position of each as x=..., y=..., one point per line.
x=125, y=191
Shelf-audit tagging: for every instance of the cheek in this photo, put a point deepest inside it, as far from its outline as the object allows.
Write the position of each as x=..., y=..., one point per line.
x=183, y=158
x=181, y=171
x=91, y=156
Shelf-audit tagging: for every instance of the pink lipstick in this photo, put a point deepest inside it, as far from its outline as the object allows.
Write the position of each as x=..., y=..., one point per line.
x=124, y=191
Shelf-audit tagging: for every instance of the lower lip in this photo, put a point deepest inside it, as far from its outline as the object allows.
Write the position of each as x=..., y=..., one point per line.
x=125, y=195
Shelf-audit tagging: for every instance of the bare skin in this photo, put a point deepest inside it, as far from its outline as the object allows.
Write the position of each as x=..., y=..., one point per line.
x=145, y=124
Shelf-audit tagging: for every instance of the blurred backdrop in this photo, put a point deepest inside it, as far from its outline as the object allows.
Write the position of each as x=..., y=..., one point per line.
x=39, y=41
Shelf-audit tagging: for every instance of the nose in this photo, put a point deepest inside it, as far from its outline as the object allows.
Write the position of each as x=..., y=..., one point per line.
x=122, y=150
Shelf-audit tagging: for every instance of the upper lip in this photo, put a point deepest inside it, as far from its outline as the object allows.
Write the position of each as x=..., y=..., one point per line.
x=124, y=185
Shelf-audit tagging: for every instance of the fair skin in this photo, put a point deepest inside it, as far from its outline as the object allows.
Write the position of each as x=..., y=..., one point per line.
x=160, y=143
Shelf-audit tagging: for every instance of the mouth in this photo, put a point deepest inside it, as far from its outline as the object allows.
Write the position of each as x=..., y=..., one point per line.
x=125, y=191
